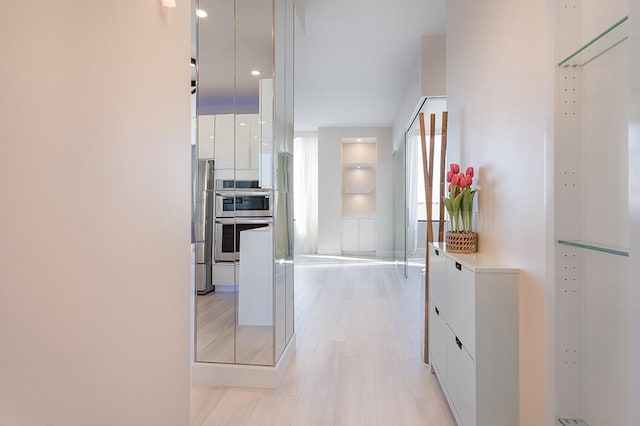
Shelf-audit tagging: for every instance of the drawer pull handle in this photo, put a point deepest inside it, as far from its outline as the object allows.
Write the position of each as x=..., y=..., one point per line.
x=437, y=252
x=437, y=311
x=458, y=266
x=459, y=343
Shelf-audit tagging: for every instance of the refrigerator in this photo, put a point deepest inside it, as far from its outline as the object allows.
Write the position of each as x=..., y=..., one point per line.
x=204, y=225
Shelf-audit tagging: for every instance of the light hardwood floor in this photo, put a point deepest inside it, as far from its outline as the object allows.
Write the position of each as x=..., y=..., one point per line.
x=358, y=358
x=219, y=339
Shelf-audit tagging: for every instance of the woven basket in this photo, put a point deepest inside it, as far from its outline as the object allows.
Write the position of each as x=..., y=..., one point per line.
x=462, y=242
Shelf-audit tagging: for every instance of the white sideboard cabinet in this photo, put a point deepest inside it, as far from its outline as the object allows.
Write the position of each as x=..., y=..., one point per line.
x=359, y=235
x=473, y=336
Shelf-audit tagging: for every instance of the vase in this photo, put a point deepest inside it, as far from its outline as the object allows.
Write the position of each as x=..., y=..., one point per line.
x=461, y=242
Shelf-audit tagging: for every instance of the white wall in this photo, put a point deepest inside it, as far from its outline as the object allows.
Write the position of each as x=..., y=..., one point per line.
x=409, y=103
x=428, y=78
x=499, y=97
x=634, y=210
x=94, y=217
x=434, y=66
x=330, y=187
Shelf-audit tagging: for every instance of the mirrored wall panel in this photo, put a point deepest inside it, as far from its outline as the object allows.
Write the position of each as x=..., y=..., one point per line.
x=245, y=135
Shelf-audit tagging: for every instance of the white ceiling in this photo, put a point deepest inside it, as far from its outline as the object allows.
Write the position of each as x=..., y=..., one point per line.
x=354, y=57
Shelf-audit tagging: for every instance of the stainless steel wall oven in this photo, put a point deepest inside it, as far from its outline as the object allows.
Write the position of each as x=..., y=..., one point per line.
x=228, y=235
x=243, y=204
x=239, y=206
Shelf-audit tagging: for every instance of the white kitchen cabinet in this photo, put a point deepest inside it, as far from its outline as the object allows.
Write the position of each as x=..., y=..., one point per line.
x=224, y=141
x=359, y=234
x=243, y=140
x=247, y=142
x=206, y=136
x=233, y=141
x=255, y=142
x=473, y=336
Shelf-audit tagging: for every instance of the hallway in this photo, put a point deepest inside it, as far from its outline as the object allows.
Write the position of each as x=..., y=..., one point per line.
x=358, y=357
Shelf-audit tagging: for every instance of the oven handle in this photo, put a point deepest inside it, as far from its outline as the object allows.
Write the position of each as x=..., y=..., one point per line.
x=252, y=193
x=249, y=220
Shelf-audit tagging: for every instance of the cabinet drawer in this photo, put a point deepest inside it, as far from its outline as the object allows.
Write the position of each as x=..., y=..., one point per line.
x=366, y=234
x=461, y=379
x=437, y=341
x=461, y=303
x=437, y=278
x=350, y=234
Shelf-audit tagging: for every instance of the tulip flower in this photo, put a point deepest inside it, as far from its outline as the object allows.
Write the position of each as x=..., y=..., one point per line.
x=459, y=203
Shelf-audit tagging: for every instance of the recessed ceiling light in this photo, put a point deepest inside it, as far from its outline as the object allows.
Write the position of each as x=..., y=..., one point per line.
x=263, y=122
x=210, y=137
x=201, y=13
x=358, y=140
x=242, y=124
x=255, y=73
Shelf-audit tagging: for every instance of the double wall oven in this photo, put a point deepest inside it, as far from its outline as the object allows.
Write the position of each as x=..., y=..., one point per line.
x=240, y=206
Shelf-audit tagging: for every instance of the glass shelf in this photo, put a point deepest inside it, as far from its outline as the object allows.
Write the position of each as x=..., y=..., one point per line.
x=589, y=245
x=358, y=165
x=595, y=47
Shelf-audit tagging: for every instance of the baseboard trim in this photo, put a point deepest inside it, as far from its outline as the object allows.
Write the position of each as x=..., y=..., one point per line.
x=329, y=252
x=384, y=253
x=248, y=376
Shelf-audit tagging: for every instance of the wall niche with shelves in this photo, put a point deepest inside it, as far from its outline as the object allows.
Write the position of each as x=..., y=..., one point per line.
x=359, y=161
x=359, y=177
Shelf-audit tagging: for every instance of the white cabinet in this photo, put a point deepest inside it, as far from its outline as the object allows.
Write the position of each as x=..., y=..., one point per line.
x=206, y=136
x=437, y=341
x=367, y=234
x=359, y=234
x=255, y=293
x=224, y=142
x=473, y=336
x=247, y=142
x=233, y=141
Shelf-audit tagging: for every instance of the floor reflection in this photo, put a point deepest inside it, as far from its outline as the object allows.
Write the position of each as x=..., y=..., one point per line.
x=215, y=333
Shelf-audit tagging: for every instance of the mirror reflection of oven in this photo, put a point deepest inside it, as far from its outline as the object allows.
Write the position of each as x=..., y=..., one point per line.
x=243, y=204
x=228, y=235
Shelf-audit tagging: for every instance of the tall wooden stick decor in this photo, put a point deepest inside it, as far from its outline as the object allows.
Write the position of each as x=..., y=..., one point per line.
x=427, y=167
x=443, y=159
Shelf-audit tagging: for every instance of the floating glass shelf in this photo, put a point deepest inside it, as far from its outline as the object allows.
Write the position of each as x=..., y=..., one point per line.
x=604, y=248
x=358, y=165
x=595, y=47
x=358, y=191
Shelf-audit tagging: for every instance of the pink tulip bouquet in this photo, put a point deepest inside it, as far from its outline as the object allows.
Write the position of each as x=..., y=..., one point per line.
x=459, y=204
